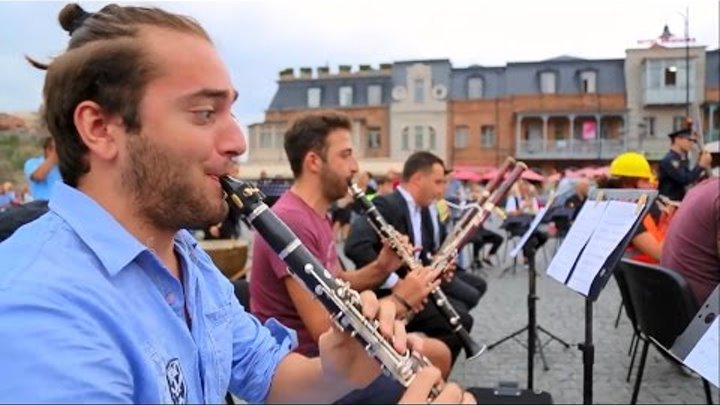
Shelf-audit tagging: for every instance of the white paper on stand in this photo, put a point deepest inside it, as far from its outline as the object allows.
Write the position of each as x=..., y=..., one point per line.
x=582, y=229
x=617, y=220
x=533, y=225
x=704, y=357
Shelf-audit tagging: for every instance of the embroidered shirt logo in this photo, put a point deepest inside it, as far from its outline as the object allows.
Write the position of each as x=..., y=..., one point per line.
x=176, y=382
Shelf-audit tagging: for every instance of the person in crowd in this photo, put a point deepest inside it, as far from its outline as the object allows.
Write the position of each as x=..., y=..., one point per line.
x=42, y=172
x=319, y=150
x=483, y=236
x=406, y=209
x=692, y=242
x=521, y=207
x=118, y=304
x=632, y=170
x=576, y=201
x=675, y=174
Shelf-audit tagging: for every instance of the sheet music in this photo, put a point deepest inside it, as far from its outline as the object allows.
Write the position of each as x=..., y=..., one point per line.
x=587, y=220
x=533, y=225
x=703, y=358
x=616, y=222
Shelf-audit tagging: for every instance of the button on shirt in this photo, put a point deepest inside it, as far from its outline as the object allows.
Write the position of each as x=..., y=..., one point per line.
x=89, y=314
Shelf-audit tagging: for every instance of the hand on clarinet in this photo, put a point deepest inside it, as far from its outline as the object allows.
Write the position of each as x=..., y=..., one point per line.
x=419, y=390
x=449, y=272
x=416, y=286
x=387, y=259
x=343, y=356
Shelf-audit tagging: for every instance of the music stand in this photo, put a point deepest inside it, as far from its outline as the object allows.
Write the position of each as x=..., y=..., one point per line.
x=643, y=200
x=529, y=251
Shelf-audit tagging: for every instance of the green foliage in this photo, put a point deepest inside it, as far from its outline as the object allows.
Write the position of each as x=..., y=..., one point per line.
x=15, y=148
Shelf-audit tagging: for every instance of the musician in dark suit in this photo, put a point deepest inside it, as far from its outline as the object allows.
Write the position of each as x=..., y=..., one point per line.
x=423, y=180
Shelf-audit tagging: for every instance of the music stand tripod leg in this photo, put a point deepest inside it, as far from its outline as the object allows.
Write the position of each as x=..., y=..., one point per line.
x=554, y=337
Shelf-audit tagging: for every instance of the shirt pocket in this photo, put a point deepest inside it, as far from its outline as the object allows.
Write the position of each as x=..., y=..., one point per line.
x=220, y=334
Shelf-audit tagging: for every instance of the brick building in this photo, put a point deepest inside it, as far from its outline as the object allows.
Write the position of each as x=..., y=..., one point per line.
x=553, y=114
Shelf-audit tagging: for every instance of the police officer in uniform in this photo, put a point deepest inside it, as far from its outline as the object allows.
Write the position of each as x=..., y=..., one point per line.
x=675, y=173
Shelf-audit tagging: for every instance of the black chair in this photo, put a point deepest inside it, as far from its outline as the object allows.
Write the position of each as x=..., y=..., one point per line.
x=663, y=306
x=626, y=303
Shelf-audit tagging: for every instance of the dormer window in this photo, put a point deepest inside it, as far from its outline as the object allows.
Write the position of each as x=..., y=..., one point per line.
x=475, y=87
x=588, y=82
x=548, y=83
x=313, y=97
x=345, y=96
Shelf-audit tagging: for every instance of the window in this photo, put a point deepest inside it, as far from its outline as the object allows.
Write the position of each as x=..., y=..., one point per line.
x=419, y=135
x=373, y=139
x=279, y=139
x=406, y=138
x=678, y=123
x=588, y=81
x=374, y=94
x=461, y=137
x=547, y=82
x=419, y=91
x=432, y=138
x=345, y=96
x=266, y=140
x=670, y=76
x=649, y=124
x=475, y=87
x=487, y=136
x=313, y=97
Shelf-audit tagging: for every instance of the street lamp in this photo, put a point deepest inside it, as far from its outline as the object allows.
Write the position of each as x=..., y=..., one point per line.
x=686, y=17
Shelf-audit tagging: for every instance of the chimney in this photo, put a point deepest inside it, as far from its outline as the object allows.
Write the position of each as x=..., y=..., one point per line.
x=345, y=69
x=306, y=73
x=287, y=74
x=323, y=71
x=365, y=69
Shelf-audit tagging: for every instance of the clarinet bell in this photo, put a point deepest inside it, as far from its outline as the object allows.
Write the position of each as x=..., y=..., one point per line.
x=472, y=349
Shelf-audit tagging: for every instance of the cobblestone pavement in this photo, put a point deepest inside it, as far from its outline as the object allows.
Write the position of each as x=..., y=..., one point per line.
x=503, y=310
x=559, y=310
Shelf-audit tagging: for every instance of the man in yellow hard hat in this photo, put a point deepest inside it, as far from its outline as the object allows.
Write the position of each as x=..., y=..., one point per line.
x=632, y=170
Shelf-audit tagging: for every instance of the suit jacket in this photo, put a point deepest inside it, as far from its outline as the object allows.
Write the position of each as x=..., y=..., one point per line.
x=363, y=244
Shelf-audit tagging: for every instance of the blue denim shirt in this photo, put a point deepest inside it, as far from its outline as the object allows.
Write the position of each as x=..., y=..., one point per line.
x=89, y=314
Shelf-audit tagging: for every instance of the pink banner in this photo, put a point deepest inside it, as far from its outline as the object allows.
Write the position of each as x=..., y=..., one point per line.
x=588, y=130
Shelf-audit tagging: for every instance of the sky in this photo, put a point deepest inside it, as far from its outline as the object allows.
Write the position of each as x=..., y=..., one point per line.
x=257, y=39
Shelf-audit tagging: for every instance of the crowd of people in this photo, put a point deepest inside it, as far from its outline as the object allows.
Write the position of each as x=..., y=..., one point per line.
x=112, y=300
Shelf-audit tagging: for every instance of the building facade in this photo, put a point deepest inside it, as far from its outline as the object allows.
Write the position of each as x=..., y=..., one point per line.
x=553, y=114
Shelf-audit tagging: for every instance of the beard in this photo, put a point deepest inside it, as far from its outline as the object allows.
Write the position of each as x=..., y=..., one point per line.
x=166, y=193
x=334, y=187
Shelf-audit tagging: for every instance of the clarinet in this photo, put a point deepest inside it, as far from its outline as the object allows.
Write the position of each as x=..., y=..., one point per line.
x=390, y=235
x=341, y=301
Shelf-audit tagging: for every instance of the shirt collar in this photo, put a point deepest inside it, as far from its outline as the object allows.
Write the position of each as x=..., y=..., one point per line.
x=409, y=199
x=114, y=246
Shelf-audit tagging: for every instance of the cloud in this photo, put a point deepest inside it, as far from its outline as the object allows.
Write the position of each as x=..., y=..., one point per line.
x=257, y=39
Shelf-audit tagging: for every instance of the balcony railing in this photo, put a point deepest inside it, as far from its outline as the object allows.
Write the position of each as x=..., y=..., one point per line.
x=604, y=149
x=668, y=95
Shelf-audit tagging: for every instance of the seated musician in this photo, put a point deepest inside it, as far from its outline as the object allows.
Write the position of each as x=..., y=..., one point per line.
x=521, y=207
x=321, y=158
x=406, y=209
x=105, y=299
x=483, y=236
x=692, y=246
x=632, y=170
